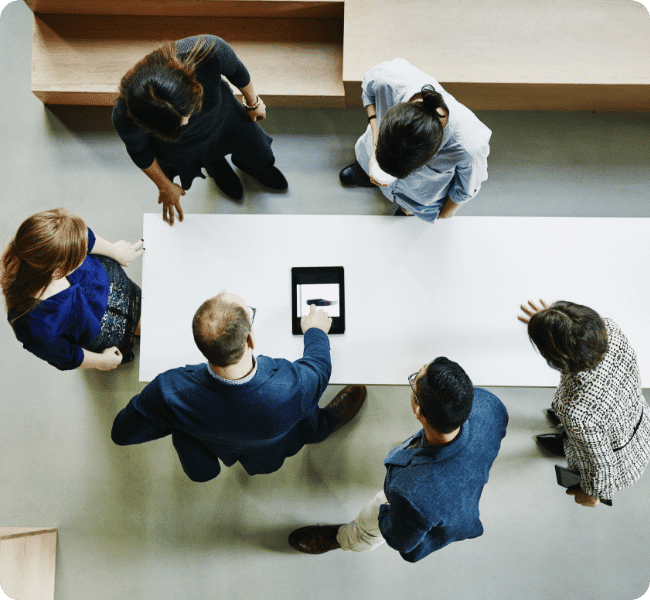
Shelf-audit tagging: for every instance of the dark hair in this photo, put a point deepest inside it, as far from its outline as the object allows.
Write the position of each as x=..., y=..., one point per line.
x=446, y=395
x=221, y=330
x=571, y=337
x=161, y=89
x=410, y=134
x=48, y=244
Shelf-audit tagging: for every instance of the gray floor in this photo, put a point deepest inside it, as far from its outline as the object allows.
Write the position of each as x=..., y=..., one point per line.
x=131, y=525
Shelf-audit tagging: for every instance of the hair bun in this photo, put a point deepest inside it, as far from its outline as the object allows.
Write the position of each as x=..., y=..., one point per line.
x=432, y=101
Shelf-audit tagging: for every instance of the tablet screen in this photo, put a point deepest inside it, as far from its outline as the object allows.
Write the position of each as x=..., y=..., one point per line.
x=321, y=287
x=321, y=295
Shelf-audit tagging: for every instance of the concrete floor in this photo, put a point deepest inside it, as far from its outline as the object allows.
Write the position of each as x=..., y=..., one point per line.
x=131, y=525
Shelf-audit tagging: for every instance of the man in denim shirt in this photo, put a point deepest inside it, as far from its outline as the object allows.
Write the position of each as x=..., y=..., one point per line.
x=434, y=479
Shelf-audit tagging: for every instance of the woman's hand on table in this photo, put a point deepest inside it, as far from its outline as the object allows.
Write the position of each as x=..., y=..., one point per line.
x=449, y=209
x=126, y=251
x=169, y=196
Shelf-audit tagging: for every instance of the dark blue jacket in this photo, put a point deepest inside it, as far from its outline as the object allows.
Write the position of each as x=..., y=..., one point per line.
x=434, y=491
x=259, y=423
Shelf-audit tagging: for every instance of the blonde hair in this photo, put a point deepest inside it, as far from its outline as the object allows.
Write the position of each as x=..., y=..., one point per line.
x=46, y=244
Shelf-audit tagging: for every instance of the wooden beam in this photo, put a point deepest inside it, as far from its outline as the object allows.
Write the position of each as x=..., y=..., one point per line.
x=324, y=9
x=28, y=562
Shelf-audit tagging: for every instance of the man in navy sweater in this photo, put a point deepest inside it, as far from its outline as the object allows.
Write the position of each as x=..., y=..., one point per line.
x=434, y=479
x=238, y=407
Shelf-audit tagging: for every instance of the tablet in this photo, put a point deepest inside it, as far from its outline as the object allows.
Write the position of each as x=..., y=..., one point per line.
x=319, y=286
x=571, y=480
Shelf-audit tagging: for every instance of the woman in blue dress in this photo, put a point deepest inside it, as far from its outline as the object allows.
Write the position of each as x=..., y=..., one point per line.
x=67, y=297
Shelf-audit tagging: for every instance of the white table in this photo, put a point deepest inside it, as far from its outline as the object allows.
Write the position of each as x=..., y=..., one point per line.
x=414, y=290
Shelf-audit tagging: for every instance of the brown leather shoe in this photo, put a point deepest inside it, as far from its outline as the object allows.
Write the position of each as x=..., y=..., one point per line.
x=347, y=403
x=315, y=539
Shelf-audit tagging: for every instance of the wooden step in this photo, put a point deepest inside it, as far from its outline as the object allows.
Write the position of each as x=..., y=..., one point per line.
x=80, y=59
x=509, y=54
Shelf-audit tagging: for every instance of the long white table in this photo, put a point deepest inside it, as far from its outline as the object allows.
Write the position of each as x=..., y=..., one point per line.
x=414, y=290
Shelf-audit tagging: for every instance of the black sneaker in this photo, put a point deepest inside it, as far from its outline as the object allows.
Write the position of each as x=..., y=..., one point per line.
x=552, y=417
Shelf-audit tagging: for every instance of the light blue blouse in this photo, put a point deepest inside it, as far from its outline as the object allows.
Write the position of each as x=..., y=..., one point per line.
x=459, y=167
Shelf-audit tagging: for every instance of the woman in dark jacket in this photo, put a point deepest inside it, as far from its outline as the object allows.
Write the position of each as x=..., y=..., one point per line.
x=176, y=116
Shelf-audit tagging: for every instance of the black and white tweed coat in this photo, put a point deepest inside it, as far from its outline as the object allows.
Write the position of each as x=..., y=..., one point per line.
x=600, y=410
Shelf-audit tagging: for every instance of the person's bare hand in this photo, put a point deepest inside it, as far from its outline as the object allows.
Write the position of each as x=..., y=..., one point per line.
x=318, y=318
x=531, y=309
x=259, y=113
x=449, y=209
x=112, y=357
x=127, y=252
x=169, y=197
x=583, y=499
x=373, y=161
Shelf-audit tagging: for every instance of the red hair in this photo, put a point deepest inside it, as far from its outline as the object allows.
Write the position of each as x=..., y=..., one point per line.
x=48, y=245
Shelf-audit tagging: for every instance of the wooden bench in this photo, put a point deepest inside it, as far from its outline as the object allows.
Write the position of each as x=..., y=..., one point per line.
x=293, y=49
x=509, y=54
x=490, y=54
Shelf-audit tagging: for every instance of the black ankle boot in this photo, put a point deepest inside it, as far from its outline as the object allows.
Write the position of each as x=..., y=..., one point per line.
x=552, y=442
x=271, y=177
x=227, y=180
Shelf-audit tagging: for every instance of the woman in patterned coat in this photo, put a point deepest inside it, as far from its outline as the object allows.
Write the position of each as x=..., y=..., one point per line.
x=599, y=402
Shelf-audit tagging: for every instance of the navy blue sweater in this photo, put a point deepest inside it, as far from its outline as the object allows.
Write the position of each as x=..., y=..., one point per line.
x=258, y=423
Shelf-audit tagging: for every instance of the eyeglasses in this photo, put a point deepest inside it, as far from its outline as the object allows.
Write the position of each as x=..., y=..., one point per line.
x=253, y=310
x=412, y=379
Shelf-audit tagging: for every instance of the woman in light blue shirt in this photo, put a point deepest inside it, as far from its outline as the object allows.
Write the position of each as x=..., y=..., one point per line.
x=434, y=147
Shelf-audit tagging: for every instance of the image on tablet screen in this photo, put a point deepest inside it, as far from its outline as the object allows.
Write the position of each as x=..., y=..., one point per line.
x=322, y=295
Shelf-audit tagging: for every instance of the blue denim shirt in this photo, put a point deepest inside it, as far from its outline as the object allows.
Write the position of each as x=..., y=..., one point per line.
x=434, y=491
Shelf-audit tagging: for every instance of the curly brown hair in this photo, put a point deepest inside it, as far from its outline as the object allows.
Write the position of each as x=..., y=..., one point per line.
x=571, y=337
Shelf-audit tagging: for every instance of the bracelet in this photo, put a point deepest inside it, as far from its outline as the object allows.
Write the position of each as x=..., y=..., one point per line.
x=371, y=117
x=256, y=105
